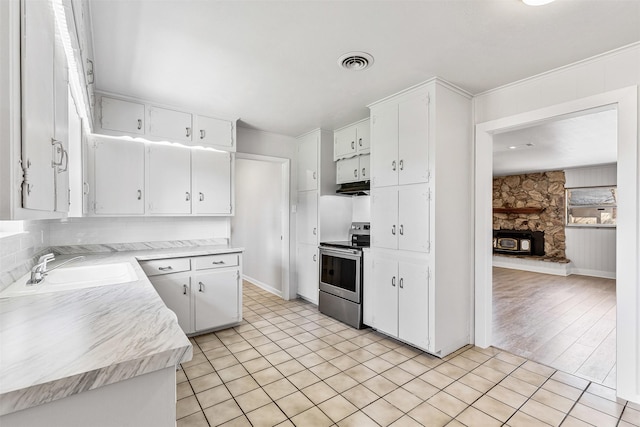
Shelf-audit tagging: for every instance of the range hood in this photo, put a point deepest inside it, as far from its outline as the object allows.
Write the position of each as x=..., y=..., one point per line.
x=360, y=188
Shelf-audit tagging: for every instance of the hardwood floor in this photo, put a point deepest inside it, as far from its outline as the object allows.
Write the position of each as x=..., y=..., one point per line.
x=568, y=323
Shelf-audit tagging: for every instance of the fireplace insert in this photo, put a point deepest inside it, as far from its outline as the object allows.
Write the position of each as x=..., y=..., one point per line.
x=518, y=242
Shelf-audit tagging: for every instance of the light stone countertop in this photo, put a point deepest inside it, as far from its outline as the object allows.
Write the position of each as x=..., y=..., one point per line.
x=54, y=345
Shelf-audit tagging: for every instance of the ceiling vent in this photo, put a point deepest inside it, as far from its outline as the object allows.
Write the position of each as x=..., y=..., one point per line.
x=355, y=61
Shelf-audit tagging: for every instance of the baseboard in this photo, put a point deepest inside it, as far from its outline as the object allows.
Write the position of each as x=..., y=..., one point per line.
x=594, y=273
x=535, y=266
x=262, y=285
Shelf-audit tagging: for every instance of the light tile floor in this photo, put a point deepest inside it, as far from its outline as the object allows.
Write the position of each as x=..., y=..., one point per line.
x=287, y=364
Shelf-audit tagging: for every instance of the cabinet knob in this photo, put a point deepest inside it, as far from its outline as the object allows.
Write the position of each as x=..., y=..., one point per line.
x=200, y=287
x=401, y=283
x=139, y=194
x=187, y=196
x=184, y=289
x=393, y=281
x=139, y=124
x=401, y=164
x=201, y=197
x=188, y=132
x=393, y=165
x=393, y=229
x=202, y=133
x=355, y=173
x=401, y=230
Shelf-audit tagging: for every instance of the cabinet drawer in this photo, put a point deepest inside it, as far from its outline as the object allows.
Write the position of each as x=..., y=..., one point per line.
x=157, y=267
x=216, y=261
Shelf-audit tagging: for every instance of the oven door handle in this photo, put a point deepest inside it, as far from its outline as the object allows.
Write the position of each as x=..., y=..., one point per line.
x=337, y=251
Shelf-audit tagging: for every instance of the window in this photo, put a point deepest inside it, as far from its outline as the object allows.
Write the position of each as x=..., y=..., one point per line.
x=592, y=206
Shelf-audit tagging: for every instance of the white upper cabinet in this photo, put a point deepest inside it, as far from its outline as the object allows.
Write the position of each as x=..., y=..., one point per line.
x=212, y=132
x=123, y=116
x=352, y=140
x=170, y=124
x=118, y=177
x=211, y=182
x=308, y=162
x=353, y=169
x=169, y=180
x=401, y=142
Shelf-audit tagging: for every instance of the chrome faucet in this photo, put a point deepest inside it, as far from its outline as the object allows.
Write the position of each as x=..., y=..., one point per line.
x=40, y=269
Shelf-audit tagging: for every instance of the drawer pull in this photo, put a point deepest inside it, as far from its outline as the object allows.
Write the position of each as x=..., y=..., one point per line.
x=217, y=262
x=165, y=268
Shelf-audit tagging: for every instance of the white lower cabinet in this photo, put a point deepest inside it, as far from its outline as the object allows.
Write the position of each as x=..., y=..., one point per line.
x=204, y=292
x=401, y=298
x=308, y=272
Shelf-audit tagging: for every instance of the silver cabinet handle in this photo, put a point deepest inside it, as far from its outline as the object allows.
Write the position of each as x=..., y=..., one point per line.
x=184, y=289
x=355, y=173
x=139, y=194
x=202, y=133
x=201, y=197
x=393, y=165
x=314, y=257
x=85, y=188
x=168, y=268
x=364, y=172
x=139, y=124
x=393, y=229
x=200, y=287
x=314, y=175
x=90, y=75
x=360, y=142
x=188, y=196
x=401, y=230
x=393, y=281
x=57, y=149
x=315, y=230
x=401, y=164
x=188, y=132
x=217, y=262
x=401, y=283
x=353, y=145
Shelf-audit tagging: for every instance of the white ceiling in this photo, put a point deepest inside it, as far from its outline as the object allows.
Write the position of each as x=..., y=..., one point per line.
x=273, y=63
x=586, y=140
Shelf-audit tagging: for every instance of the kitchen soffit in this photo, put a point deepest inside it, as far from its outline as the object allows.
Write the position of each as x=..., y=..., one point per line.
x=273, y=63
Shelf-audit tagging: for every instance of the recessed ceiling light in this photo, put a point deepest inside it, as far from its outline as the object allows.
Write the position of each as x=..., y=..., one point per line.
x=513, y=147
x=355, y=61
x=536, y=2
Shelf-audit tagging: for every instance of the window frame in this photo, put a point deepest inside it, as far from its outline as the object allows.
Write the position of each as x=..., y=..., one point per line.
x=567, y=206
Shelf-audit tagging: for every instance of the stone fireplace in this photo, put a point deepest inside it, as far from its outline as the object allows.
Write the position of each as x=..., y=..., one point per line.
x=532, y=202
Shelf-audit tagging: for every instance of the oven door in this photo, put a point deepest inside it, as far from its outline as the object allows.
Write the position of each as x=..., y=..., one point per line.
x=340, y=273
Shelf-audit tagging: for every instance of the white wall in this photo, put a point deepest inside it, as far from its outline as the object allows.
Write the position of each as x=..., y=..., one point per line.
x=592, y=251
x=27, y=239
x=257, y=224
x=600, y=79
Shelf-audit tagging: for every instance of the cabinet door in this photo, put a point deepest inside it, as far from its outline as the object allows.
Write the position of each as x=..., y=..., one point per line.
x=385, y=146
x=384, y=216
x=385, y=285
x=365, y=169
x=308, y=162
x=347, y=170
x=122, y=116
x=307, y=217
x=169, y=179
x=413, y=218
x=413, y=152
x=308, y=272
x=37, y=51
x=61, y=128
x=119, y=177
x=214, y=132
x=170, y=124
x=413, y=303
x=175, y=291
x=363, y=137
x=217, y=297
x=211, y=178
x=344, y=143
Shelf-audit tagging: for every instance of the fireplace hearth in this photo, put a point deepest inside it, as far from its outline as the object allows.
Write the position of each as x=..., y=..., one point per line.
x=518, y=242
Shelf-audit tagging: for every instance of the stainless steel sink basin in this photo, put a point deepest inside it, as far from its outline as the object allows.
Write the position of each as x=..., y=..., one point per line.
x=64, y=279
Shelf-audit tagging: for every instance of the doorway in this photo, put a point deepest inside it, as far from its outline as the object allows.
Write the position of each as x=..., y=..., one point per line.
x=627, y=346
x=261, y=221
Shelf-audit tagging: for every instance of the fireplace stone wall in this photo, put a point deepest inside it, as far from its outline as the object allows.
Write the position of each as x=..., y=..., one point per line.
x=543, y=191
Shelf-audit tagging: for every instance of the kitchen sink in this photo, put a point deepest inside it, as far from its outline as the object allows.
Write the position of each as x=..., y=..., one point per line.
x=64, y=279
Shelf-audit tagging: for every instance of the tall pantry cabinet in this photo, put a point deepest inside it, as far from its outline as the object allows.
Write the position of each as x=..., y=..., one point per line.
x=421, y=216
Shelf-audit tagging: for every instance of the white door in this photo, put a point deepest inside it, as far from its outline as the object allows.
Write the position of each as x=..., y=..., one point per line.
x=413, y=134
x=169, y=179
x=211, y=178
x=175, y=291
x=385, y=285
x=344, y=143
x=122, y=116
x=365, y=169
x=307, y=217
x=384, y=216
x=347, y=170
x=413, y=303
x=217, y=295
x=214, y=132
x=308, y=162
x=37, y=51
x=384, y=139
x=170, y=124
x=308, y=272
x=413, y=218
x=363, y=137
x=119, y=177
